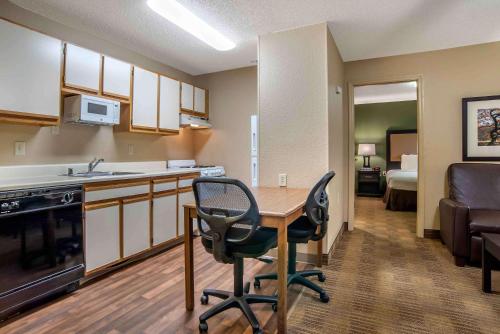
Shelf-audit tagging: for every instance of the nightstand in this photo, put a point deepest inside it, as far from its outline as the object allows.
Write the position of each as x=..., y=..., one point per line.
x=369, y=183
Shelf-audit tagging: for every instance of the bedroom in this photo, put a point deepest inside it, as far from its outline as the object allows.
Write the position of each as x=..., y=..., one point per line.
x=386, y=150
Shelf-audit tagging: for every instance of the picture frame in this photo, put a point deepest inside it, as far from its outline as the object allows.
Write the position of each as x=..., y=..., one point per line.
x=481, y=128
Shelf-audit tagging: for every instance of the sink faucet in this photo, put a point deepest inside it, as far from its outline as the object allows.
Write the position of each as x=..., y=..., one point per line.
x=93, y=164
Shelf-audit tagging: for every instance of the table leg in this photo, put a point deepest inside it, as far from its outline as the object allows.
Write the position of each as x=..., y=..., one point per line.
x=319, y=257
x=188, y=259
x=486, y=269
x=282, y=277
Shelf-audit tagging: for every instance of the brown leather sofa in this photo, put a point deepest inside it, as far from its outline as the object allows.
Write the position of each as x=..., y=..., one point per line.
x=473, y=207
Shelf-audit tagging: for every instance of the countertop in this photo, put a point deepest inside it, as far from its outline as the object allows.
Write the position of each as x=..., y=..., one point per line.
x=24, y=182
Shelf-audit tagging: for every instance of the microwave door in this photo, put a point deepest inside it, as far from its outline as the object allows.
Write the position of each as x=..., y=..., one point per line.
x=94, y=111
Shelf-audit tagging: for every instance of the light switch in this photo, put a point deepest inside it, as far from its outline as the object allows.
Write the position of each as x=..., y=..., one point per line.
x=20, y=148
x=282, y=180
x=130, y=149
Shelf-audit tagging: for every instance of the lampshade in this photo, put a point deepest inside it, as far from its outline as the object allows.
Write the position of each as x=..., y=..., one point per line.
x=366, y=149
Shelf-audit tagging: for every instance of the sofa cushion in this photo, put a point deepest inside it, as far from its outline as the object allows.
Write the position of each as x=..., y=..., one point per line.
x=484, y=221
x=477, y=185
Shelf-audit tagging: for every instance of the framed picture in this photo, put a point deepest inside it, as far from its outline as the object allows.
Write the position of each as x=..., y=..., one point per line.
x=481, y=128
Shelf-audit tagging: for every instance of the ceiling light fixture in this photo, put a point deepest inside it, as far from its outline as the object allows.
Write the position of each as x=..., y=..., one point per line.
x=181, y=16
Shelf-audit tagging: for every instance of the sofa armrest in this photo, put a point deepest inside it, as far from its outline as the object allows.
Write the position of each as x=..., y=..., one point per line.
x=454, y=217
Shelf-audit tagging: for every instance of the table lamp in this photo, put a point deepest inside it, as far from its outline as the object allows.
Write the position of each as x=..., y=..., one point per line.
x=366, y=150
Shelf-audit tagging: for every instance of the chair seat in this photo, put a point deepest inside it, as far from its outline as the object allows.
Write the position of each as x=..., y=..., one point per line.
x=301, y=230
x=484, y=221
x=261, y=242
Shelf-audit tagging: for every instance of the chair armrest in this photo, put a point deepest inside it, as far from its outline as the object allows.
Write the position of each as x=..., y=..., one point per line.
x=454, y=217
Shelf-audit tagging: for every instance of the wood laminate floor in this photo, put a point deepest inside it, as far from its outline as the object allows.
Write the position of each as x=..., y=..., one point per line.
x=148, y=297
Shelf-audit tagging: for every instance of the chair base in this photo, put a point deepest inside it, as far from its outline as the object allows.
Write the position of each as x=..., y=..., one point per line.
x=299, y=277
x=231, y=301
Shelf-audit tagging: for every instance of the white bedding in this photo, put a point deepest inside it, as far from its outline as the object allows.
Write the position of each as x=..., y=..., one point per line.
x=400, y=179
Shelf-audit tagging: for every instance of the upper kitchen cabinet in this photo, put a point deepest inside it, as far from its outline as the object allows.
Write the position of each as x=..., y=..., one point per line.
x=168, y=116
x=82, y=68
x=30, y=76
x=145, y=100
x=200, y=101
x=116, y=76
x=187, y=97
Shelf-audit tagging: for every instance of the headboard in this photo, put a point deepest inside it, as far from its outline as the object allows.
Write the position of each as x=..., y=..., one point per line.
x=399, y=142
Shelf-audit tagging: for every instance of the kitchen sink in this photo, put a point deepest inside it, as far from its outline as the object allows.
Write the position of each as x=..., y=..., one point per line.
x=94, y=174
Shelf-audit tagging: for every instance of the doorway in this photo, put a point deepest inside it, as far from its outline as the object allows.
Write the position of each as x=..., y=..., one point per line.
x=385, y=146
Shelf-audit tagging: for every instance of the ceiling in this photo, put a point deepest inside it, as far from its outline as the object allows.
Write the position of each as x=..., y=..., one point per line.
x=362, y=28
x=404, y=91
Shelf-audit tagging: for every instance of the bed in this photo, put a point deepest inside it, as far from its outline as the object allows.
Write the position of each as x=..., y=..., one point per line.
x=402, y=174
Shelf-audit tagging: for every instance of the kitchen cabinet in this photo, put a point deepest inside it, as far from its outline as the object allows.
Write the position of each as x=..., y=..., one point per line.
x=30, y=76
x=200, y=102
x=102, y=234
x=82, y=68
x=145, y=100
x=185, y=196
x=116, y=76
x=168, y=117
x=136, y=220
x=187, y=96
x=164, y=217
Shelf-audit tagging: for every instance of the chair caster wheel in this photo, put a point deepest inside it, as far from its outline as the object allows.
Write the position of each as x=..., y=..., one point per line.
x=275, y=307
x=256, y=284
x=247, y=287
x=258, y=331
x=321, y=277
x=203, y=327
x=324, y=297
x=204, y=300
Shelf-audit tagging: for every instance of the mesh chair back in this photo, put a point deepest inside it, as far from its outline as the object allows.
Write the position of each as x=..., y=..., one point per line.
x=317, y=205
x=229, y=211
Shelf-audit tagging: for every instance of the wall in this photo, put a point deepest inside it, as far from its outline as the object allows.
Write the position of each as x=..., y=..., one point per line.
x=78, y=143
x=372, y=120
x=293, y=101
x=448, y=76
x=233, y=99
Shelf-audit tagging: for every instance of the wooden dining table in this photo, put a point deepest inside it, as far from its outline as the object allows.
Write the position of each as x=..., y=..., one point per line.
x=278, y=208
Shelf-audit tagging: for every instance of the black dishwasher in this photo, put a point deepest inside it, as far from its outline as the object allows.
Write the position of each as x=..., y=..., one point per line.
x=41, y=244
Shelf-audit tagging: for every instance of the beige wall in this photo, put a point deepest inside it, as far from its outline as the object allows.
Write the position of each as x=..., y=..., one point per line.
x=233, y=99
x=448, y=76
x=293, y=101
x=79, y=143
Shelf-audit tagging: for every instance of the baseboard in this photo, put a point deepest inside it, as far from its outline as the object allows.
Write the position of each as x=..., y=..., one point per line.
x=432, y=234
x=325, y=258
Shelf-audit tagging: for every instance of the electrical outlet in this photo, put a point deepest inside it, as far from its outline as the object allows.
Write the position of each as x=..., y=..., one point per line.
x=54, y=130
x=20, y=148
x=130, y=149
x=282, y=180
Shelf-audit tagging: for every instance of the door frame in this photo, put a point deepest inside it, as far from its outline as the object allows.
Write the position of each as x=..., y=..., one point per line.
x=420, y=143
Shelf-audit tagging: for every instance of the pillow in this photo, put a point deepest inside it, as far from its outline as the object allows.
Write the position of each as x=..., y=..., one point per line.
x=409, y=162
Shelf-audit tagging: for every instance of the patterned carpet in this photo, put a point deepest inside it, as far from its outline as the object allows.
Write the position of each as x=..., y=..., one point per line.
x=382, y=279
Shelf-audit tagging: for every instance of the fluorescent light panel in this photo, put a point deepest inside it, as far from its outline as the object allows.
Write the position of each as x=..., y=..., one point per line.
x=179, y=15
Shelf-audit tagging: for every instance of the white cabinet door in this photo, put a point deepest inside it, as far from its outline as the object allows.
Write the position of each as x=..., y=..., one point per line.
x=30, y=71
x=186, y=96
x=116, y=77
x=82, y=68
x=145, y=101
x=135, y=227
x=102, y=236
x=169, y=104
x=184, y=198
x=164, y=218
x=199, y=100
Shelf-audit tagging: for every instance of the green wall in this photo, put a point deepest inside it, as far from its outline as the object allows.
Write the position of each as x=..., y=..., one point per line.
x=371, y=121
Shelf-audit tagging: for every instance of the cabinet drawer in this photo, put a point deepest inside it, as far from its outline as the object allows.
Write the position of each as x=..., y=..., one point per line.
x=164, y=184
x=99, y=193
x=187, y=182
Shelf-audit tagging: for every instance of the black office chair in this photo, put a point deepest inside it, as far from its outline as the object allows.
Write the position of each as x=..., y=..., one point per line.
x=231, y=232
x=301, y=231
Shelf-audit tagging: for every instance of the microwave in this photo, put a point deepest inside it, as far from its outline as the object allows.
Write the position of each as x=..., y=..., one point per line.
x=89, y=109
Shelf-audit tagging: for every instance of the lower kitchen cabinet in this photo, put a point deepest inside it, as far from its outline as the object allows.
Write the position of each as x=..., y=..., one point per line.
x=102, y=234
x=136, y=232
x=186, y=196
x=164, y=217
